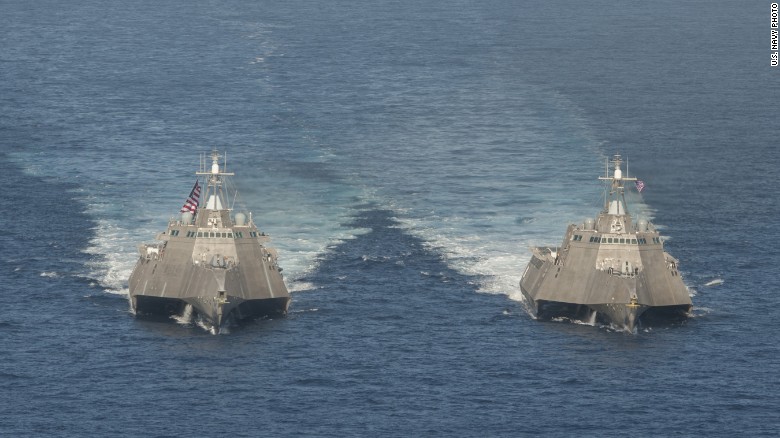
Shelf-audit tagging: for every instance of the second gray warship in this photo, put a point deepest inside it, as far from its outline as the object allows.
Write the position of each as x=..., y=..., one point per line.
x=210, y=258
x=608, y=269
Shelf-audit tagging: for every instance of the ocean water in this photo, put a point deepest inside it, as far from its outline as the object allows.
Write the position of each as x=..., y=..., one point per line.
x=403, y=156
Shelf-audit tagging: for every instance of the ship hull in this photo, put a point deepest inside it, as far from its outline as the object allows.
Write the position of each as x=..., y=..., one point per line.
x=162, y=286
x=625, y=316
x=209, y=309
x=156, y=307
x=553, y=289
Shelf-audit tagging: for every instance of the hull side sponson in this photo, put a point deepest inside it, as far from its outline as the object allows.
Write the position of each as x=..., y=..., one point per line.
x=575, y=290
x=157, y=306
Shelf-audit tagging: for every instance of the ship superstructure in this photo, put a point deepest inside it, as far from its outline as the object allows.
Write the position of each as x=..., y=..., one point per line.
x=608, y=268
x=211, y=258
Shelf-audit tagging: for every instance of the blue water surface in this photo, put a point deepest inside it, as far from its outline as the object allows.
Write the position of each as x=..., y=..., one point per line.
x=403, y=156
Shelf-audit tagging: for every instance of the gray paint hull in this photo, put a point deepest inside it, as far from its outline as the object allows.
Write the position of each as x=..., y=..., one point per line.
x=573, y=286
x=163, y=289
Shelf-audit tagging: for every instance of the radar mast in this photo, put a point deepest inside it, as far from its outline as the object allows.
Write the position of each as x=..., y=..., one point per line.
x=215, y=194
x=614, y=193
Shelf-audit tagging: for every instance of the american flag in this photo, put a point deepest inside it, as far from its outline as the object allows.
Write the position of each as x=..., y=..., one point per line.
x=640, y=185
x=192, y=202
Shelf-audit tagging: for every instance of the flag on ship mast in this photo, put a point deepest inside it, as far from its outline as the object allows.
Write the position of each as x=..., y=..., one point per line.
x=640, y=185
x=193, y=201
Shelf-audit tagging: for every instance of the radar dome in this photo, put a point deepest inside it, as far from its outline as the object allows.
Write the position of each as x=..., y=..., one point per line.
x=240, y=219
x=186, y=217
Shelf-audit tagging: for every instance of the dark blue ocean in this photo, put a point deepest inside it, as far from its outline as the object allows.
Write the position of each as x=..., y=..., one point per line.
x=403, y=156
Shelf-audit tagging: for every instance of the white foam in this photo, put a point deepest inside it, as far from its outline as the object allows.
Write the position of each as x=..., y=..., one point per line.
x=205, y=326
x=122, y=292
x=114, y=254
x=498, y=257
x=113, y=245
x=715, y=282
x=305, y=310
x=300, y=286
x=186, y=316
x=301, y=256
x=697, y=312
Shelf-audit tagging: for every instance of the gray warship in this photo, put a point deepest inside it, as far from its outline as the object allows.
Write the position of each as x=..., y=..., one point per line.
x=608, y=269
x=209, y=258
